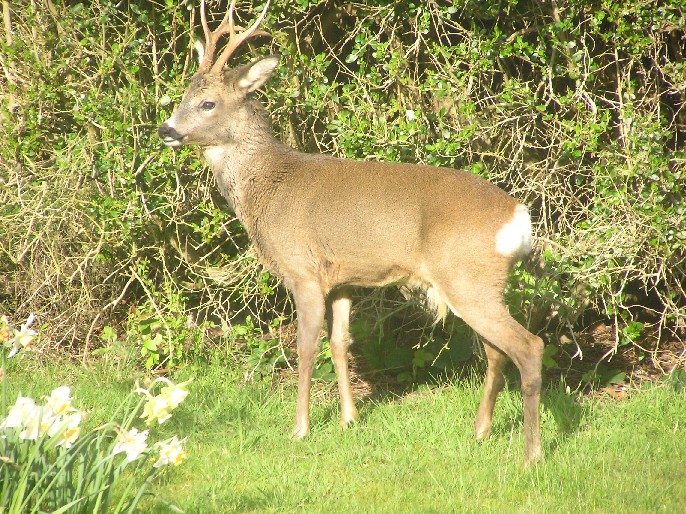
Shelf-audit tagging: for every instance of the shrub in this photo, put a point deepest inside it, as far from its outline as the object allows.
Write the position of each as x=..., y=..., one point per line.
x=575, y=108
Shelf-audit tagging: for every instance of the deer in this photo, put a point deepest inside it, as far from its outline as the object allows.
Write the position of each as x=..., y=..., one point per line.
x=325, y=225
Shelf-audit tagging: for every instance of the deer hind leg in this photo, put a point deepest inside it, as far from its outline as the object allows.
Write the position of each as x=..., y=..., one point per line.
x=338, y=319
x=310, y=309
x=494, y=383
x=486, y=313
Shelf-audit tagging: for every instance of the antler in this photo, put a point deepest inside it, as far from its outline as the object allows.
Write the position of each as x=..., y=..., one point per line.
x=235, y=38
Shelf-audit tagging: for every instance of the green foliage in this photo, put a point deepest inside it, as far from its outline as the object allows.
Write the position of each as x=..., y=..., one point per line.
x=324, y=366
x=575, y=108
x=164, y=338
x=549, y=353
x=602, y=376
x=420, y=356
x=677, y=380
x=263, y=353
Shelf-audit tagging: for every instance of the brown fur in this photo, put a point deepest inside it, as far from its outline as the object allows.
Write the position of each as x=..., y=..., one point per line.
x=325, y=224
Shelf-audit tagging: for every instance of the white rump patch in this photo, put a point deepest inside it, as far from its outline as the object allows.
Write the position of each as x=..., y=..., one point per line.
x=514, y=238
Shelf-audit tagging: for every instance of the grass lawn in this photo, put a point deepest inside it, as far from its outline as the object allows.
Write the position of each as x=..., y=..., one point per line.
x=413, y=453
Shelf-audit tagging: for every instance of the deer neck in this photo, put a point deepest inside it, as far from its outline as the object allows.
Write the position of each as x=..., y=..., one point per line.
x=243, y=167
x=234, y=170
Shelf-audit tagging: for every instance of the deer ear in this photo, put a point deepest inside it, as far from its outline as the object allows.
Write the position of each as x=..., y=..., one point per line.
x=257, y=73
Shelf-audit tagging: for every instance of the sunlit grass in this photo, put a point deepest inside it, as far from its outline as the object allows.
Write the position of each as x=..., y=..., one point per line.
x=413, y=453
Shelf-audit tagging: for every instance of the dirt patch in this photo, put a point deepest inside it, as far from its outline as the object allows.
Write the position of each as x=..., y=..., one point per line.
x=593, y=349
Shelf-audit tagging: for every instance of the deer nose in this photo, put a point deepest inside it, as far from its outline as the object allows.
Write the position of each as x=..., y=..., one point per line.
x=165, y=130
x=169, y=134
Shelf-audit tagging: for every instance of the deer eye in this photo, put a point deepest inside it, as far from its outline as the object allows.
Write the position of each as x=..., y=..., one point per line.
x=207, y=106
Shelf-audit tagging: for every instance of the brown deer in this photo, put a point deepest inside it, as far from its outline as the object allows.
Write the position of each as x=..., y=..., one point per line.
x=326, y=224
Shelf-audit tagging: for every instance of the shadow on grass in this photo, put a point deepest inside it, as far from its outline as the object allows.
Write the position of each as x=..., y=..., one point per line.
x=261, y=502
x=566, y=408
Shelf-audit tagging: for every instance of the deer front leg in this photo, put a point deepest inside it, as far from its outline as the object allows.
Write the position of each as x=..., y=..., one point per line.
x=338, y=319
x=309, y=305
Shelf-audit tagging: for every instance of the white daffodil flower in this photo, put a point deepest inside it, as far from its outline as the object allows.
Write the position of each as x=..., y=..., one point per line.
x=175, y=394
x=24, y=337
x=18, y=413
x=59, y=400
x=156, y=409
x=37, y=423
x=171, y=452
x=68, y=428
x=6, y=333
x=132, y=442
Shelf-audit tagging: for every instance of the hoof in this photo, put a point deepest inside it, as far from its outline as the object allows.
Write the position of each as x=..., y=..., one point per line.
x=482, y=434
x=349, y=419
x=348, y=423
x=300, y=433
x=535, y=458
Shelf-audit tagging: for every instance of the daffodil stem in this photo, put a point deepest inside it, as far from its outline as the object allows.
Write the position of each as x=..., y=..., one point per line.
x=141, y=490
x=3, y=379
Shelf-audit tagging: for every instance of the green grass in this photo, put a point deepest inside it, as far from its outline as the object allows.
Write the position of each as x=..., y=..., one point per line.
x=413, y=453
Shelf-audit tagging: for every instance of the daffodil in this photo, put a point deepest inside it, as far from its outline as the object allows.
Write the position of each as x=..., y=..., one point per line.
x=23, y=337
x=6, y=332
x=156, y=409
x=56, y=417
x=60, y=400
x=171, y=452
x=18, y=413
x=37, y=422
x=68, y=430
x=175, y=394
x=132, y=442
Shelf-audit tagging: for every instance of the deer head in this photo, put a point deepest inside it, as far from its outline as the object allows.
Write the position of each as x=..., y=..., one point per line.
x=218, y=94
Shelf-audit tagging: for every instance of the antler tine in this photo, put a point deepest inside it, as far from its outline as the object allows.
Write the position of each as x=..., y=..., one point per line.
x=229, y=16
x=203, y=20
x=209, y=50
x=212, y=37
x=236, y=39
